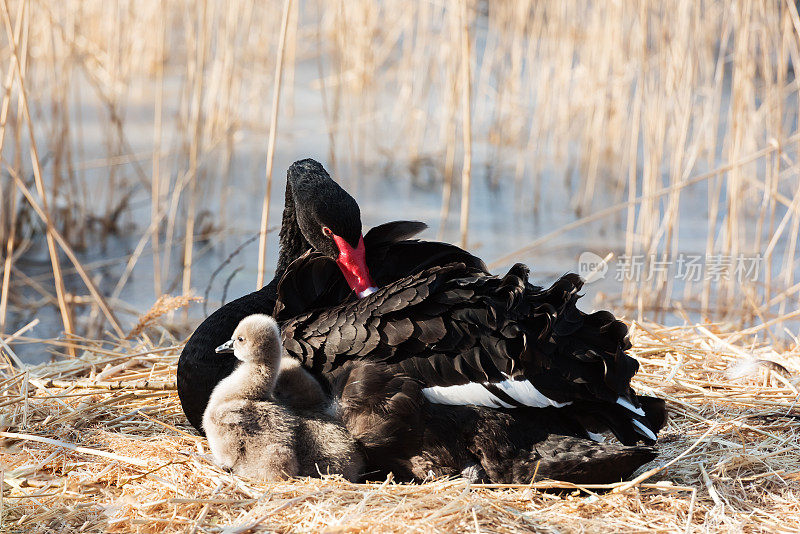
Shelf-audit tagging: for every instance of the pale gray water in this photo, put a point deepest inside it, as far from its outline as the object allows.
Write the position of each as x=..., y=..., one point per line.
x=502, y=219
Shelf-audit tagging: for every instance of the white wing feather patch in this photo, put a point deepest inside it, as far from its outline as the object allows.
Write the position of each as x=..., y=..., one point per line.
x=472, y=393
x=644, y=430
x=525, y=393
x=476, y=394
x=599, y=438
x=625, y=403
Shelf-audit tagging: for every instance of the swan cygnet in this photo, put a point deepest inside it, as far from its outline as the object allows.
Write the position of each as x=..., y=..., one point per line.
x=253, y=433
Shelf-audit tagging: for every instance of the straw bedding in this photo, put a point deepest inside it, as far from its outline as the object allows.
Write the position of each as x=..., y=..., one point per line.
x=99, y=443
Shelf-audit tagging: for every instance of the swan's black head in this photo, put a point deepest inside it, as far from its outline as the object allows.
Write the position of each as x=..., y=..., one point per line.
x=330, y=220
x=321, y=203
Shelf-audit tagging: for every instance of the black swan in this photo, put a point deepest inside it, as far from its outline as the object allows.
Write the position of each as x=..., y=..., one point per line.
x=507, y=343
x=253, y=434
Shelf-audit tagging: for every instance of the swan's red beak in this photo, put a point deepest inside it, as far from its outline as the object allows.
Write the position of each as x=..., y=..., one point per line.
x=353, y=263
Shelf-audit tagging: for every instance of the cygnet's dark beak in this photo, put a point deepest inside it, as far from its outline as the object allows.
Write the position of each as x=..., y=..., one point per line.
x=225, y=348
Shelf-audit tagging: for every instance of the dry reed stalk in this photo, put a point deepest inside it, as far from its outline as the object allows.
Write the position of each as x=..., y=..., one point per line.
x=21, y=331
x=163, y=305
x=155, y=187
x=451, y=103
x=291, y=39
x=194, y=146
x=466, y=120
x=273, y=131
x=12, y=207
x=10, y=352
x=638, y=101
x=326, y=112
x=70, y=446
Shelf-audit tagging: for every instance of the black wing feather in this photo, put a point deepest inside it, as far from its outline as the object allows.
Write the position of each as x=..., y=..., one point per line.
x=485, y=328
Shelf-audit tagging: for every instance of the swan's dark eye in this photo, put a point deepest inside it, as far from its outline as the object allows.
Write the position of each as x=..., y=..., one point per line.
x=327, y=231
x=240, y=339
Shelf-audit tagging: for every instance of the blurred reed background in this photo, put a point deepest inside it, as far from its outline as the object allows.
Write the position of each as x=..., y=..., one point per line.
x=134, y=137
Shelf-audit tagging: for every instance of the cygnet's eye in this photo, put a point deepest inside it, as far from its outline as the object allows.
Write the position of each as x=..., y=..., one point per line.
x=327, y=231
x=240, y=339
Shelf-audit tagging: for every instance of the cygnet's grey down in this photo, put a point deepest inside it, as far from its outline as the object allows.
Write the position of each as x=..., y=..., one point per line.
x=267, y=420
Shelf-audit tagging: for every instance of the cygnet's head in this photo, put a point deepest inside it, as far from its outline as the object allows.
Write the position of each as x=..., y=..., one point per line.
x=257, y=339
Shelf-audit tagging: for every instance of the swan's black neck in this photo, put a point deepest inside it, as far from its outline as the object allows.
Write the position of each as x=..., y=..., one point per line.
x=292, y=243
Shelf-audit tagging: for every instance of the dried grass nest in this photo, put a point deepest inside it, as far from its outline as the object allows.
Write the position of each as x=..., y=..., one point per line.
x=99, y=443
